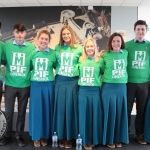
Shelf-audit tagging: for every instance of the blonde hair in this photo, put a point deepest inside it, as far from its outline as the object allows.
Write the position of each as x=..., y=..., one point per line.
x=84, y=54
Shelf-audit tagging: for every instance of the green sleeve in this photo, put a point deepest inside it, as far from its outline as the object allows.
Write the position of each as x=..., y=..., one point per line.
x=55, y=61
x=78, y=64
x=57, y=48
x=57, y=53
x=102, y=65
x=32, y=55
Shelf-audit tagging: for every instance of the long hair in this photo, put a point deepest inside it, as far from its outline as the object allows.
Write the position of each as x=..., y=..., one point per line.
x=84, y=54
x=73, y=41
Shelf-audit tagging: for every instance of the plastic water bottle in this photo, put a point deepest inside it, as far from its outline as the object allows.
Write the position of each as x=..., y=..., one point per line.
x=79, y=143
x=54, y=140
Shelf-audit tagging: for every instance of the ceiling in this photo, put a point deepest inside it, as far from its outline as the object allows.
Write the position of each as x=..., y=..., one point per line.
x=26, y=3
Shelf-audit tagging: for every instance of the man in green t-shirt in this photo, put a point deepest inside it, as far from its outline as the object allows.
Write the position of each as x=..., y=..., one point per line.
x=138, y=76
x=17, y=54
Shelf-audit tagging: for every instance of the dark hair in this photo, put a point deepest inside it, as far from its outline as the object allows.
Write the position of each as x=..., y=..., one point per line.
x=44, y=32
x=109, y=45
x=0, y=25
x=19, y=27
x=140, y=22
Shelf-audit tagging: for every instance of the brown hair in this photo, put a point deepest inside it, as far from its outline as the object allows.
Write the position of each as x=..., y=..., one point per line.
x=44, y=32
x=19, y=27
x=61, y=42
x=140, y=22
x=109, y=45
x=84, y=54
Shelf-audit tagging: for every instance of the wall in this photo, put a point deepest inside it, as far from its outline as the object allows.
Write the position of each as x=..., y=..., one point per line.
x=123, y=18
x=143, y=14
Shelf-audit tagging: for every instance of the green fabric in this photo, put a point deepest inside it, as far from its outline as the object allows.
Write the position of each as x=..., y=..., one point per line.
x=138, y=61
x=115, y=64
x=67, y=60
x=43, y=63
x=18, y=63
x=65, y=116
x=90, y=115
x=115, y=113
x=1, y=53
x=89, y=71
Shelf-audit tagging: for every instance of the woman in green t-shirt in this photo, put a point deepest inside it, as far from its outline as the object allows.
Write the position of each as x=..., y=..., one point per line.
x=42, y=91
x=65, y=121
x=114, y=98
x=89, y=102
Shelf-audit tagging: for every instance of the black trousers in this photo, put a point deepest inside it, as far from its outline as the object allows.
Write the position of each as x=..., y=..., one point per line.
x=22, y=95
x=140, y=92
x=1, y=85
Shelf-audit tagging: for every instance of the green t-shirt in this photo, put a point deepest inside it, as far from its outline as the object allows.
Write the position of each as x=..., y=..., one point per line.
x=115, y=67
x=18, y=64
x=1, y=53
x=43, y=63
x=67, y=60
x=90, y=72
x=138, y=61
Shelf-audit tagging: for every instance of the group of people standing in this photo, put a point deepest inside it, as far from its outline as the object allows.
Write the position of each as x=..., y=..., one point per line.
x=92, y=93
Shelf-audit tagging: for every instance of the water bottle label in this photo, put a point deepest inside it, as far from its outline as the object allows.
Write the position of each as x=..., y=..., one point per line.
x=54, y=139
x=79, y=141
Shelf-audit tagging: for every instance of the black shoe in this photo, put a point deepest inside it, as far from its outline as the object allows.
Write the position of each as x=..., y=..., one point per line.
x=20, y=142
x=141, y=140
x=5, y=140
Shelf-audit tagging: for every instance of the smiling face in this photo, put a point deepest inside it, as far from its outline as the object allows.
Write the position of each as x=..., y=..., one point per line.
x=140, y=32
x=19, y=36
x=43, y=41
x=90, y=49
x=116, y=43
x=66, y=36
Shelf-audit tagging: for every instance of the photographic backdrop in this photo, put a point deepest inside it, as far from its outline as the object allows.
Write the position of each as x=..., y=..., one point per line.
x=86, y=23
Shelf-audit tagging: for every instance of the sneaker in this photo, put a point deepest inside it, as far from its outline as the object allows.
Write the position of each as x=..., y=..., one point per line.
x=111, y=145
x=141, y=140
x=43, y=142
x=62, y=143
x=88, y=147
x=5, y=140
x=118, y=144
x=68, y=144
x=20, y=142
x=37, y=143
